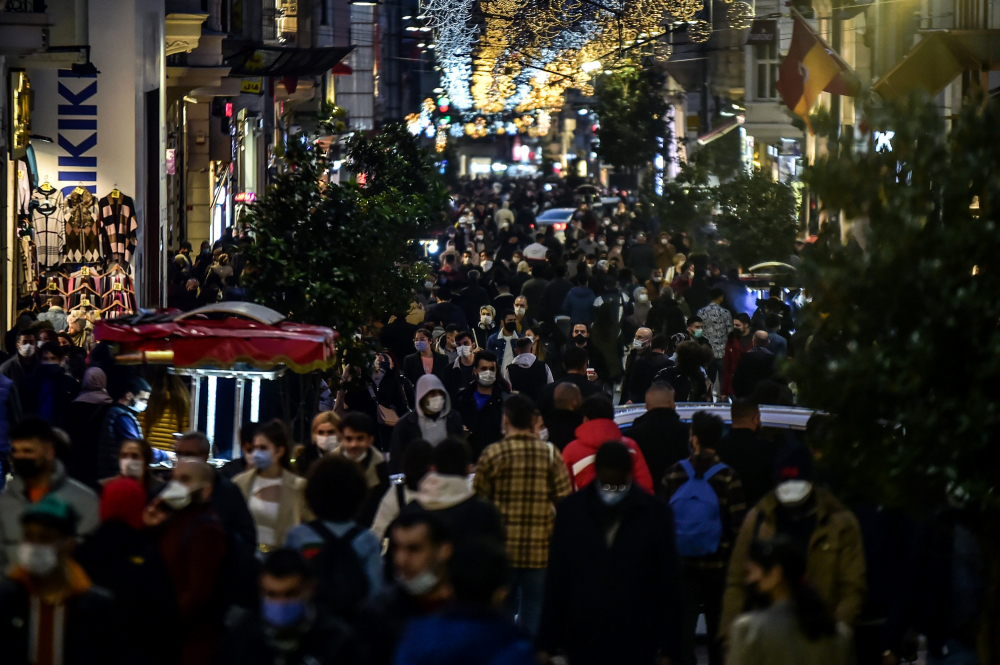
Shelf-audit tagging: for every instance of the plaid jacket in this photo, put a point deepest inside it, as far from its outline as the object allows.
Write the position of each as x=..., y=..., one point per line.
x=524, y=478
x=732, y=506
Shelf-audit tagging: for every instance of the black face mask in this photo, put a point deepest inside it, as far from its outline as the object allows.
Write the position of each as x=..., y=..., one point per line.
x=27, y=467
x=509, y=326
x=579, y=339
x=755, y=599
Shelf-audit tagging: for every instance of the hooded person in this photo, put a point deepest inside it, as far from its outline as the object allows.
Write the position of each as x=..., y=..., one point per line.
x=432, y=420
x=82, y=421
x=598, y=428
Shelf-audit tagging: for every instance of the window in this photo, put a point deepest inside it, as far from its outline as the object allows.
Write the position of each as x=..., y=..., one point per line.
x=767, y=61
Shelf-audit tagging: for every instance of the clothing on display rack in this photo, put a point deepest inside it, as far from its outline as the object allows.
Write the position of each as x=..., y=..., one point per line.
x=119, y=226
x=119, y=296
x=48, y=220
x=84, y=283
x=27, y=275
x=83, y=242
x=23, y=188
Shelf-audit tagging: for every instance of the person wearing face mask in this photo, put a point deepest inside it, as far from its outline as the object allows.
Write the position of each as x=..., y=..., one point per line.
x=789, y=622
x=606, y=538
x=433, y=420
x=357, y=434
x=707, y=500
x=487, y=326
x=122, y=422
x=664, y=252
x=501, y=343
x=25, y=362
x=192, y=541
x=424, y=360
x=274, y=494
x=598, y=428
x=643, y=362
x=738, y=342
x=37, y=474
x=461, y=368
x=120, y=558
x=474, y=297
x=47, y=392
x=420, y=546
x=820, y=524
x=290, y=626
x=655, y=284
x=381, y=395
x=134, y=458
x=323, y=441
x=588, y=244
x=480, y=404
x=527, y=374
x=50, y=610
x=520, y=314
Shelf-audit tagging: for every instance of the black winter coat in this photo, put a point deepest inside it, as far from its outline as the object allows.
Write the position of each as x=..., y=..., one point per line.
x=612, y=606
x=328, y=641
x=123, y=561
x=663, y=440
x=93, y=633
x=483, y=424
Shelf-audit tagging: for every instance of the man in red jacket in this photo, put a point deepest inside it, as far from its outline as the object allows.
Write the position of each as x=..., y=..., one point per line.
x=597, y=429
x=739, y=342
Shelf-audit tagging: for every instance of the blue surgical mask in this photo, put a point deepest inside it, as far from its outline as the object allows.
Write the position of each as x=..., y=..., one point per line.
x=283, y=613
x=420, y=345
x=262, y=459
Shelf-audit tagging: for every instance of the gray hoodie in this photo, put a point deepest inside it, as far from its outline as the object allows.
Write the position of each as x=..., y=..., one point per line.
x=13, y=501
x=433, y=429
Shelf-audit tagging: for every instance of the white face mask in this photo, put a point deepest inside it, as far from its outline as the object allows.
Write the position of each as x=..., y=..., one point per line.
x=326, y=442
x=422, y=584
x=543, y=434
x=434, y=404
x=188, y=458
x=464, y=350
x=130, y=468
x=657, y=278
x=793, y=491
x=486, y=320
x=638, y=344
x=487, y=377
x=487, y=265
x=355, y=457
x=26, y=350
x=520, y=311
x=39, y=560
x=642, y=297
x=176, y=495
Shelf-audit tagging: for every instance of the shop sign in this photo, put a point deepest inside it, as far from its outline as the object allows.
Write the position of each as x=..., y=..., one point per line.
x=77, y=124
x=251, y=85
x=763, y=31
x=245, y=197
x=21, y=102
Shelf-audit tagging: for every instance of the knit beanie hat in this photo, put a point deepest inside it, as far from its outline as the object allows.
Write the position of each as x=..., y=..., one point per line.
x=53, y=512
x=794, y=462
x=123, y=499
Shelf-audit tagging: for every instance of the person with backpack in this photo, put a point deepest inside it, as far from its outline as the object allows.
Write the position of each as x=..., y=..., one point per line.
x=346, y=557
x=708, y=505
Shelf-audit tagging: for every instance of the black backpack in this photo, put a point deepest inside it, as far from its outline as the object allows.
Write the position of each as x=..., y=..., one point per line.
x=342, y=582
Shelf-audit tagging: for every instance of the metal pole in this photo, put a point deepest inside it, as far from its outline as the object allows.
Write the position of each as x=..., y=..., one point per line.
x=237, y=418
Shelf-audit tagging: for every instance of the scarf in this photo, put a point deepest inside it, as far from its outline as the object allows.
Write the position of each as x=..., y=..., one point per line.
x=94, y=389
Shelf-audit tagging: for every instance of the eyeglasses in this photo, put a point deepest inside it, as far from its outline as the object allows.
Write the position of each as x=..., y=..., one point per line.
x=617, y=488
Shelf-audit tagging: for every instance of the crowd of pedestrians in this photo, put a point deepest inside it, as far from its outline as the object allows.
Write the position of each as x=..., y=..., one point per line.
x=470, y=497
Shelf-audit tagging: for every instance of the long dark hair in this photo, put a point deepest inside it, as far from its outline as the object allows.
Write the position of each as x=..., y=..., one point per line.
x=814, y=617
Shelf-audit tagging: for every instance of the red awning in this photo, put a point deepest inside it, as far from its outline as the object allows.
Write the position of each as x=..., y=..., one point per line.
x=340, y=69
x=223, y=342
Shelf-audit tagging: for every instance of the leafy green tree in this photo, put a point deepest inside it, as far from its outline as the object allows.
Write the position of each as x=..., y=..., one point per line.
x=756, y=219
x=902, y=338
x=632, y=114
x=342, y=255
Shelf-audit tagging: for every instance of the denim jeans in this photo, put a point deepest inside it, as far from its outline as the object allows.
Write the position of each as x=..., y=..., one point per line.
x=524, y=598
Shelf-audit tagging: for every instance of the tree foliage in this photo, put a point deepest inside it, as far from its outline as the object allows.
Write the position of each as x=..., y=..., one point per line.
x=341, y=255
x=903, y=334
x=632, y=114
x=756, y=219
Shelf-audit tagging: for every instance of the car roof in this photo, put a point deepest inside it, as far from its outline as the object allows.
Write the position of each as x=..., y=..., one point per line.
x=557, y=212
x=787, y=417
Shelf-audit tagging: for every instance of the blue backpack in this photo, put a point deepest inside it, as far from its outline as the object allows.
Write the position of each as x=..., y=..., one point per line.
x=696, y=513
